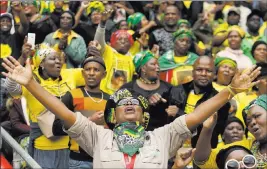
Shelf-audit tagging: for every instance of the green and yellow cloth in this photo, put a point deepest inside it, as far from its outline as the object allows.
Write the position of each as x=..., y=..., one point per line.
x=183, y=21
x=130, y=137
x=224, y=60
x=109, y=113
x=141, y=59
x=95, y=6
x=181, y=33
x=134, y=19
x=260, y=101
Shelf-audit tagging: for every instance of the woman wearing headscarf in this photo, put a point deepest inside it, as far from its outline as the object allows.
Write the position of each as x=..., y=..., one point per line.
x=259, y=51
x=234, y=51
x=233, y=134
x=197, y=46
x=152, y=88
x=67, y=41
x=117, y=57
x=139, y=27
x=259, y=89
x=128, y=144
x=48, y=152
x=255, y=115
x=176, y=65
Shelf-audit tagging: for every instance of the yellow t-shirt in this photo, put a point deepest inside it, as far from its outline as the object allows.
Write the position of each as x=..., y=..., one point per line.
x=211, y=161
x=71, y=78
x=181, y=74
x=120, y=70
x=192, y=101
x=263, y=28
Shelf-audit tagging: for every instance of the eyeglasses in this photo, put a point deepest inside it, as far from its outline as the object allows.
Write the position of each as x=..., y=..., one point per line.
x=128, y=101
x=249, y=161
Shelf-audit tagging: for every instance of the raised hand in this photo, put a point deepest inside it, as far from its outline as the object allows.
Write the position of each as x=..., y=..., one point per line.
x=106, y=15
x=16, y=72
x=16, y=6
x=211, y=122
x=94, y=49
x=183, y=157
x=85, y=4
x=243, y=80
x=97, y=117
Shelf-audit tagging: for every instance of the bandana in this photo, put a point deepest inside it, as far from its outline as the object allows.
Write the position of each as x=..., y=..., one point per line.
x=141, y=59
x=119, y=97
x=42, y=51
x=183, y=21
x=181, y=33
x=116, y=35
x=260, y=101
x=95, y=6
x=224, y=60
x=238, y=29
x=130, y=136
x=134, y=19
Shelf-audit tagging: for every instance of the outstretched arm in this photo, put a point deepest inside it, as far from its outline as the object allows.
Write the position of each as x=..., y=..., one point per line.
x=242, y=81
x=23, y=76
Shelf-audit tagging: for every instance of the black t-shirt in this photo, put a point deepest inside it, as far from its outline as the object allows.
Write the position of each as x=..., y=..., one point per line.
x=158, y=115
x=42, y=28
x=11, y=45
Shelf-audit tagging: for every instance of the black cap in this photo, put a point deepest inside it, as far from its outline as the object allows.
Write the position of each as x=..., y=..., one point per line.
x=94, y=59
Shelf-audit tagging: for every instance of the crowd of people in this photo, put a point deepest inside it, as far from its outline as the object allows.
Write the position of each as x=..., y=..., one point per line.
x=135, y=84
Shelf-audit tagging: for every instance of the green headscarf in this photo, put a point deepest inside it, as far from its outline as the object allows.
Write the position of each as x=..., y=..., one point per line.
x=260, y=101
x=181, y=33
x=183, y=21
x=141, y=59
x=224, y=60
x=134, y=19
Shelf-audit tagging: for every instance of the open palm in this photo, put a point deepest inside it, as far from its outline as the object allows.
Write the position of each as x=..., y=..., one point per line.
x=243, y=80
x=20, y=74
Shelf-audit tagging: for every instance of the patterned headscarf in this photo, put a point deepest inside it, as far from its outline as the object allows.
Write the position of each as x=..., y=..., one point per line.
x=141, y=59
x=181, y=33
x=238, y=29
x=224, y=60
x=183, y=21
x=111, y=104
x=134, y=19
x=260, y=101
x=95, y=6
x=42, y=51
x=115, y=36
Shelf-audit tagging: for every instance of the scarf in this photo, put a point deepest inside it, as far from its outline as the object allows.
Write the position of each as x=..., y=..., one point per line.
x=130, y=136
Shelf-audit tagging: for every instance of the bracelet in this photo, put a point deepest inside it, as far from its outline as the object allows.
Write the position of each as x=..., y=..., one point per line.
x=229, y=88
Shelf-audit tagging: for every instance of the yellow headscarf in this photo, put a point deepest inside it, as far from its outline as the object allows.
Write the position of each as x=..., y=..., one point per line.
x=238, y=29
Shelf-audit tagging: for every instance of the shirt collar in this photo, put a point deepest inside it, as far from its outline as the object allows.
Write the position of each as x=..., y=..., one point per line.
x=58, y=35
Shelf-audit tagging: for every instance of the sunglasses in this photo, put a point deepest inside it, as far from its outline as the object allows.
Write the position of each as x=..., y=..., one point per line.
x=26, y=3
x=128, y=101
x=249, y=161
